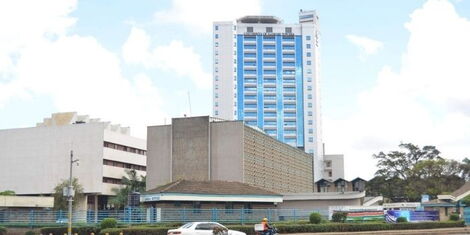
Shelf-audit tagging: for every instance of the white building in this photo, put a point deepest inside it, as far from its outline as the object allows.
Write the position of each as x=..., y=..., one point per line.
x=34, y=160
x=266, y=73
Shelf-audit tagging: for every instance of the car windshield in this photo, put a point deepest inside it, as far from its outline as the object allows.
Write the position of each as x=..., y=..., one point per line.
x=187, y=225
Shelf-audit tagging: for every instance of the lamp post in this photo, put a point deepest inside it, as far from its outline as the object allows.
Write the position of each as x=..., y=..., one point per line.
x=70, y=193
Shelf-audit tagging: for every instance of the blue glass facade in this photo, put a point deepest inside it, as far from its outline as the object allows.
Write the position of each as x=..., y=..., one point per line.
x=281, y=72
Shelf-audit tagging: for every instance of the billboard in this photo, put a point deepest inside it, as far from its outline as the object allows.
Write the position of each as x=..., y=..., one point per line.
x=391, y=216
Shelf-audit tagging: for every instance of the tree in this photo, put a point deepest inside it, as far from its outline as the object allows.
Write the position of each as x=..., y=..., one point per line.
x=60, y=201
x=131, y=183
x=406, y=175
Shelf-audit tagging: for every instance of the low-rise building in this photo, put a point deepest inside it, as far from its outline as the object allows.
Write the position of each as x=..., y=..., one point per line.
x=34, y=160
x=205, y=149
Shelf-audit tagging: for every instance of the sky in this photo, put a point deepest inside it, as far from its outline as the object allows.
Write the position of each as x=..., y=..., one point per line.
x=391, y=71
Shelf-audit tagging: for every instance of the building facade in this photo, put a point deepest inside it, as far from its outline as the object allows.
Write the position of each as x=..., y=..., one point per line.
x=266, y=74
x=201, y=149
x=333, y=166
x=34, y=160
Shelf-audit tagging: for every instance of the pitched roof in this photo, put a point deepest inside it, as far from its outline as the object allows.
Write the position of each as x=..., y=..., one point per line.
x=210, y=187
x=465, y=188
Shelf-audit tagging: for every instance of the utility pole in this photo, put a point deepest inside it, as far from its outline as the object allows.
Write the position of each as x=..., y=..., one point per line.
x=70, y=192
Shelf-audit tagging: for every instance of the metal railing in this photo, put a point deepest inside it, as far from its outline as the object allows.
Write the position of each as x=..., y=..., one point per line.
x=36, y=218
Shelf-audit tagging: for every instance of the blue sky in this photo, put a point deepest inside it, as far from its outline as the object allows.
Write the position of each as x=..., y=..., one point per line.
x=391, y=71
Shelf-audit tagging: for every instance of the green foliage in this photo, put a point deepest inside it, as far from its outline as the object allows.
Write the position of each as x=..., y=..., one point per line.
x=339, y=217
x=300, y=228
x=466, y=200
x=402, y=220
x=3, y=230
x=132, y=183
x=30, y=232
x=315, y=218
x=108, y=223
x=60, y=202
x=454, y=217
x=407, y=174
x=7, y=193
x=83, y=230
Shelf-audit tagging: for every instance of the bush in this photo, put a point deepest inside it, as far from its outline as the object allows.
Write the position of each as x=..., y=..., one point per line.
x=454, y=217
x=108, y=223
x=3, y=230
x=30, y=232
x=402, y=220
x=84, y=230
x=303, y=228
x=339, y=217
x=315, y=218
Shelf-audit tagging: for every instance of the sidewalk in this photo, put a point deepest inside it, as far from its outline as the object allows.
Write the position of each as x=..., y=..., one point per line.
x=462, y=230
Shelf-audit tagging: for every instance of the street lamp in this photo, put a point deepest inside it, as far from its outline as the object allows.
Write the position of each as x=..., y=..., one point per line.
x=70, y=192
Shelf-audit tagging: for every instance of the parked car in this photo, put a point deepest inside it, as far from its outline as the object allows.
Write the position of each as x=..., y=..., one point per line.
x=203, y=228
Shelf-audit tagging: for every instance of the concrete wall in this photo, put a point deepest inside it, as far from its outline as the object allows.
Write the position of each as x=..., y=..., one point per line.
x=26, y=201
x=318, y=204
x=158, y=156
x=190, y=148
x=34, y=160
x=337, y=166
x=227, y=151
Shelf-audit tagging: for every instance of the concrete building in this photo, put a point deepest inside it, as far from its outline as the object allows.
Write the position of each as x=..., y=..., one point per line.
x=203, y=149
x=333, y=166
x=266, y=73
x=34, y=160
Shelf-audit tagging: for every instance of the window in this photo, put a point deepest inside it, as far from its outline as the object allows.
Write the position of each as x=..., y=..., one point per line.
x=123, y=148
x=216, y=95
x=309, y=105
x=288, y=30
x=216, y=61
x=310, y=131
x=330, y=174
x=307, y=37
x=216, y=27
x=249, y=29
x=269, y=29
x=310, y=113
x=309, y=54
x=308, y=88
x=177, y=204
x=216, y=44
x=229, y=207
x=216, y=52
x=247, y=207
x=216, y=35
x=310, y=151
x=309, y=71
x=310, y=122
x=216, y=69
x=217, y=78
x=216, y=112
x=310, y=139
x=309, y=62
x=309, y=46
x=204, y=226
x=216, y=104
x=309, y=79
x=309, y=96
x=197, y=208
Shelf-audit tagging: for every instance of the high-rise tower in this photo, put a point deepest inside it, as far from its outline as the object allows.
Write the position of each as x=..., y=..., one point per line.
x=266, y=74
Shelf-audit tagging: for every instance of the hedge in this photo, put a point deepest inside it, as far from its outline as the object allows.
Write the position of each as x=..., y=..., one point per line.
x=304, y=228
x=3, y=230
x=84, y=230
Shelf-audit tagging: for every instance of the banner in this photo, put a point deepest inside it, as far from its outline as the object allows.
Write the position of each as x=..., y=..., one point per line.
x=365, y=216
x=411, y=216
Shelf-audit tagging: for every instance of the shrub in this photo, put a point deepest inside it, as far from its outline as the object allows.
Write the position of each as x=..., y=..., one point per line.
x=135, y=231
x=83, y=230
x=30, y=232
x=3, y=230
x=339, y=217
x=454, y=217
x=402, y=220
x=108, y=223
x=315, y=218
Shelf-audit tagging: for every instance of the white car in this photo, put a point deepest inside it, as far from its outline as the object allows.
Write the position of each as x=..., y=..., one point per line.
x=202, y=228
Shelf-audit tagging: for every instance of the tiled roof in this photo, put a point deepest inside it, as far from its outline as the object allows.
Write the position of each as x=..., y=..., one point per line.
x=465, y=188
x=211, y=187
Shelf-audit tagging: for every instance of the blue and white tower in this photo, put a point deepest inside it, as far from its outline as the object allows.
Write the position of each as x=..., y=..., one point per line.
x=266, y=74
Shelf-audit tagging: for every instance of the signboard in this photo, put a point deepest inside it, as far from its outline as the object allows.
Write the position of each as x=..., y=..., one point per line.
x=424, y=198
x=365, y=216
x=391, y=216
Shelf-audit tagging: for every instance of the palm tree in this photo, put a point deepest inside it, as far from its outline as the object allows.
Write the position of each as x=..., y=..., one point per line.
x=131, y=183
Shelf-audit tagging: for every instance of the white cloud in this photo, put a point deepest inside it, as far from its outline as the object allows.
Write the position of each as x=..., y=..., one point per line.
x=426, y=102
x=77, y=72
x=367, y=46
x=199, y=15
x=175, y=57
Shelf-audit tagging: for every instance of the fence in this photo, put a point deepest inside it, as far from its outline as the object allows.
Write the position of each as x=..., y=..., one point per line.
x=34, y=218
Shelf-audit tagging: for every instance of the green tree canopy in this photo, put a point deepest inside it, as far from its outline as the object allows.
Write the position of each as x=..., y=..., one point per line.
x=60, y=202
x=8, y=193
x=131, y=183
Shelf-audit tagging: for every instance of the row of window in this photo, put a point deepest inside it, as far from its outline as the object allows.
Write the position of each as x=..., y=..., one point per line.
x=110, y=180
x=268, y=63
x=266, y=97
x=124, y=165
x=124, y=148
x=267, y=80
x=196, y=206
